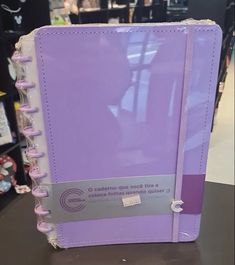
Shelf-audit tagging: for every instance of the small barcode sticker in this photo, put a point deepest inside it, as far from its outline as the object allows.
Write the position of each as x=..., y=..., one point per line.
x=131, y=200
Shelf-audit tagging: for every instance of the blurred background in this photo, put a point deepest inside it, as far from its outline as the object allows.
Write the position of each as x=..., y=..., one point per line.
x=19, y=17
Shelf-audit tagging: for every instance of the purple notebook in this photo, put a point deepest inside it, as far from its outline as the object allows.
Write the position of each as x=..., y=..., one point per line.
x=117, y=120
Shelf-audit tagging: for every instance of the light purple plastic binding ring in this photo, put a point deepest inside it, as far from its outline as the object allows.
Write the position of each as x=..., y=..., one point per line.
x=28, y=109
x=40, y=211
x=33, y=153
x=18, y=57
x=21, y=84
x=39, y=193
x=44, y=227
x=29, y=131
x=34, y=174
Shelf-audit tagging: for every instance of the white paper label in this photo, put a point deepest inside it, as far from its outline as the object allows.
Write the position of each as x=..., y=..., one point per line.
x=131, y=200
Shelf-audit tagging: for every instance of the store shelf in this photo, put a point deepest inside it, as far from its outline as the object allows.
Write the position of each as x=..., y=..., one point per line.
x=6, y=148
x=87, y=10
x=231, y=5
x=140, y=12
x=3, y=97
x=110, y=7
x=12, y=34
x=9, y=95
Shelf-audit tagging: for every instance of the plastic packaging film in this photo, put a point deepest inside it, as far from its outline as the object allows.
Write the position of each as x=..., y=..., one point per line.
x=137, y=149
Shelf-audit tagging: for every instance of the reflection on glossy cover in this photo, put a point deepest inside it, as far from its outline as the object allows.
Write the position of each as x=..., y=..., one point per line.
x=118, y=123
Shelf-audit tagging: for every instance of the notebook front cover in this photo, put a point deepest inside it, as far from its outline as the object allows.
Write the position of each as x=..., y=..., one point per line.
x=111, y=100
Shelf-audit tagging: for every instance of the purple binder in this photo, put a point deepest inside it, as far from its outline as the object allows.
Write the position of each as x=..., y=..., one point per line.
x=117, y=120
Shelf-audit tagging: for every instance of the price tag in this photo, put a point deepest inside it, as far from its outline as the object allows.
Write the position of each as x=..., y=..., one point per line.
x=131, y=200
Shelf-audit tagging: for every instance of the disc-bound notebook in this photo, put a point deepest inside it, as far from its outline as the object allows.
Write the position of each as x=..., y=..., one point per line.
x=117, y=120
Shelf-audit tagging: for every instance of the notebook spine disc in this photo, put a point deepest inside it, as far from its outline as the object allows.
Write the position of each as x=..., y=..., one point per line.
x=33, y=152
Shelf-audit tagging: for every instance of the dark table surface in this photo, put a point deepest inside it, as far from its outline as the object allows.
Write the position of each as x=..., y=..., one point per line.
x=22, y=244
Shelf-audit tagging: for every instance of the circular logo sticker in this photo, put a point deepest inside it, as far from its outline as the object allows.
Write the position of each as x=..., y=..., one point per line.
x=72, y=200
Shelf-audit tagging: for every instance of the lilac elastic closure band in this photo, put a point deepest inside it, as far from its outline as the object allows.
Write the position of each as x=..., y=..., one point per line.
x=182, y=135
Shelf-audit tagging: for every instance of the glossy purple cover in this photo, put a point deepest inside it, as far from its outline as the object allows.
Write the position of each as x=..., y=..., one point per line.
x=111, y=98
